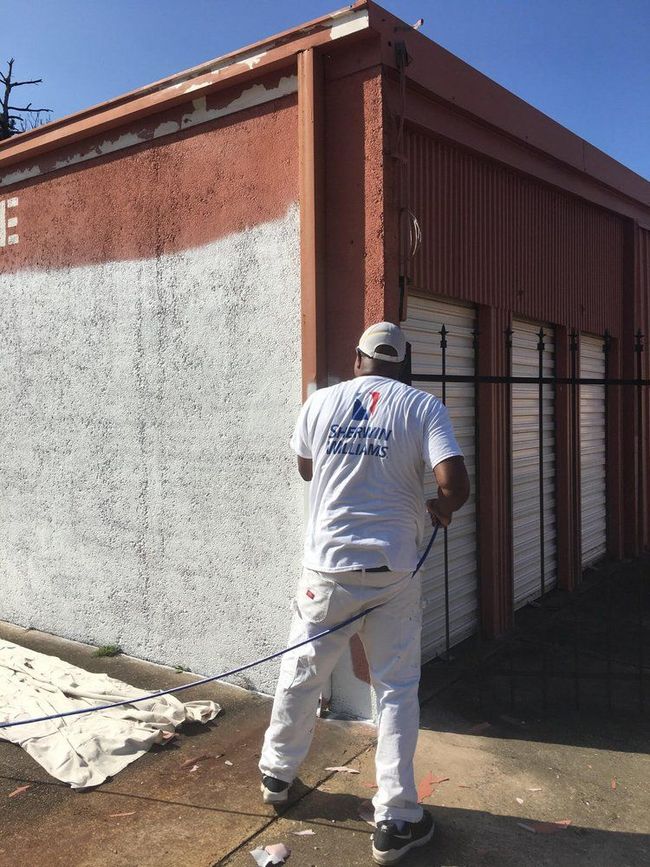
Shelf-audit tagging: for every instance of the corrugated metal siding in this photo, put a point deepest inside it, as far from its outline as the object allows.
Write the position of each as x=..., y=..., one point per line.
x=492, y=236
x=526, y=529
x=593, y=443
x=425, y=319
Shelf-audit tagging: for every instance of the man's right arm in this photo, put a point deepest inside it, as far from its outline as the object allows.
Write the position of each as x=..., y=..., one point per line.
x=301, y=441
x=305, y=468
x=453, y=490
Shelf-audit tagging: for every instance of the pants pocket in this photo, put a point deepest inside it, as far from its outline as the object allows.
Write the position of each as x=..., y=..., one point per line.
x=410, y=651
x=313, y=596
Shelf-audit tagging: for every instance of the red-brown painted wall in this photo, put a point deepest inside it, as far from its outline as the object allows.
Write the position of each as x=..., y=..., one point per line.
x=357, y=287
x=354, y=209
x=493, y=236
x=515, y=246
x=132, y=388
x=163, y=196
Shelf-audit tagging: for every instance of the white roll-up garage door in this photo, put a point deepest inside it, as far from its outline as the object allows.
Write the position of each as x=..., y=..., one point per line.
x=426, y=317
x=526, y=526
x=592, y=452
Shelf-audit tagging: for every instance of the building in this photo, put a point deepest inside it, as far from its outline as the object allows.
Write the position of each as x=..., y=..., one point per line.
x=181, y=265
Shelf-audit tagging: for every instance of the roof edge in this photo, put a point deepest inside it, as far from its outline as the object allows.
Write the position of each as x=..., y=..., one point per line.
x=447, y=77
x=252, y=60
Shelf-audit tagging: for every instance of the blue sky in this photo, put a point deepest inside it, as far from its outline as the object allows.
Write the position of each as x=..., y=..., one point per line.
x=585, y=63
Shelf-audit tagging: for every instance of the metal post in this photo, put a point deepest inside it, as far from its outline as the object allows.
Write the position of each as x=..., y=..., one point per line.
x=609, y=644
x=607, y=345
x=481, y=670
x=542, y=552
x=575, y=420
x=508, y=336
x=540, y=431
x=638, y=349
x=443, y=346
x=477, y=476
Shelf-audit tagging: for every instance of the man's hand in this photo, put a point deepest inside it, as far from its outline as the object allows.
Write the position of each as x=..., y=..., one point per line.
x=439, y=515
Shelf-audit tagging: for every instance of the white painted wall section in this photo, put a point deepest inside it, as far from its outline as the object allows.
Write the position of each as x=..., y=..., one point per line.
x=148, y=495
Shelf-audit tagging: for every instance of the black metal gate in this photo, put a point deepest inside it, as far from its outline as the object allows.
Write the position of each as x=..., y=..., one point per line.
x=584, y=649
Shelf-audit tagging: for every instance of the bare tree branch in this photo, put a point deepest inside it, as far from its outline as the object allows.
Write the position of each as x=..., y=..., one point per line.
x=13, y=84
x=26, y=117
x=27, y=108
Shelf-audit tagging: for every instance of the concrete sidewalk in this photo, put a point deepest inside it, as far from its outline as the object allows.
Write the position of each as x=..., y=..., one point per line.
x=494, y=783
x=173, y=816
x=497, y=776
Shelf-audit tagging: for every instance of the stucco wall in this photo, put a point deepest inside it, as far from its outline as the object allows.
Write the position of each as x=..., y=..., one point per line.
x=150, y=376
x=148, y=496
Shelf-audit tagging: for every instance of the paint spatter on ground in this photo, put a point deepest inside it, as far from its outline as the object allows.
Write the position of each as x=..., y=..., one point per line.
x=427, y=785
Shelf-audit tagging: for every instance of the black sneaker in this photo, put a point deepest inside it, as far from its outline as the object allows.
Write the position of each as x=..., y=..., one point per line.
x=274, y=791
x=389, y=845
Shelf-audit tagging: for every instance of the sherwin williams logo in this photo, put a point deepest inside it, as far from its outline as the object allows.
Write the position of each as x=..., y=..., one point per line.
x=360, y=413
x=361, y=439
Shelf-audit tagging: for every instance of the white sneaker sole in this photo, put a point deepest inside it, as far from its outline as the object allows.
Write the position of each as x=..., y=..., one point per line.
x=395, y=855
x=270, y=797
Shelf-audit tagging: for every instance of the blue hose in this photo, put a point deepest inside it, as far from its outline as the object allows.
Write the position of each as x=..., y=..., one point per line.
x=214, y=677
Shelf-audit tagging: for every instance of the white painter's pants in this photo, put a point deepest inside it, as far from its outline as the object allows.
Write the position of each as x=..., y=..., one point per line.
x=391, y=638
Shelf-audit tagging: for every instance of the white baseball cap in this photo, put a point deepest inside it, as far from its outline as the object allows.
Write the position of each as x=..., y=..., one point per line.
x=383, y=334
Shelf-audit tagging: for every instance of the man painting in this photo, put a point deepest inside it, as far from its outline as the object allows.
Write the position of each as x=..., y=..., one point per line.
x=364, y=445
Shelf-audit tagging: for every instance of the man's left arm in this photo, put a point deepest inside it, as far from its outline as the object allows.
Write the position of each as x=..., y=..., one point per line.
x=453, y=490
x=443, y=455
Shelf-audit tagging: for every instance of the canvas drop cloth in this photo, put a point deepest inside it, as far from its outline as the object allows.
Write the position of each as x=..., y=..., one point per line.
x=83, y=750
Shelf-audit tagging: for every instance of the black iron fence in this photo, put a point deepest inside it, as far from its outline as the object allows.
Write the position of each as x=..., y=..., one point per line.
x=590, y=647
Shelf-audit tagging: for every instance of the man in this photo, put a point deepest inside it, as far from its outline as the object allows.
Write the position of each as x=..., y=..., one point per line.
x=364, y=445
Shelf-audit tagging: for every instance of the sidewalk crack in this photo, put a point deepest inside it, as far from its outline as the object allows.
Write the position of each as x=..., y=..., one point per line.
x=285, y=812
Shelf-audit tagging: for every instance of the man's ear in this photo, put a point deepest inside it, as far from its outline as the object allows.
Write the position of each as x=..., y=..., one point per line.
x=357, y=361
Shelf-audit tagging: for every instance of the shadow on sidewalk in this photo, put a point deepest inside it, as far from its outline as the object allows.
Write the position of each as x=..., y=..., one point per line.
x=475, y=838
x=575, y=668
x=469, y=838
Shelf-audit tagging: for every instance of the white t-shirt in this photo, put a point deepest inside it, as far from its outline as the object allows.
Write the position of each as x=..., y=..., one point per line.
x=370, y=439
